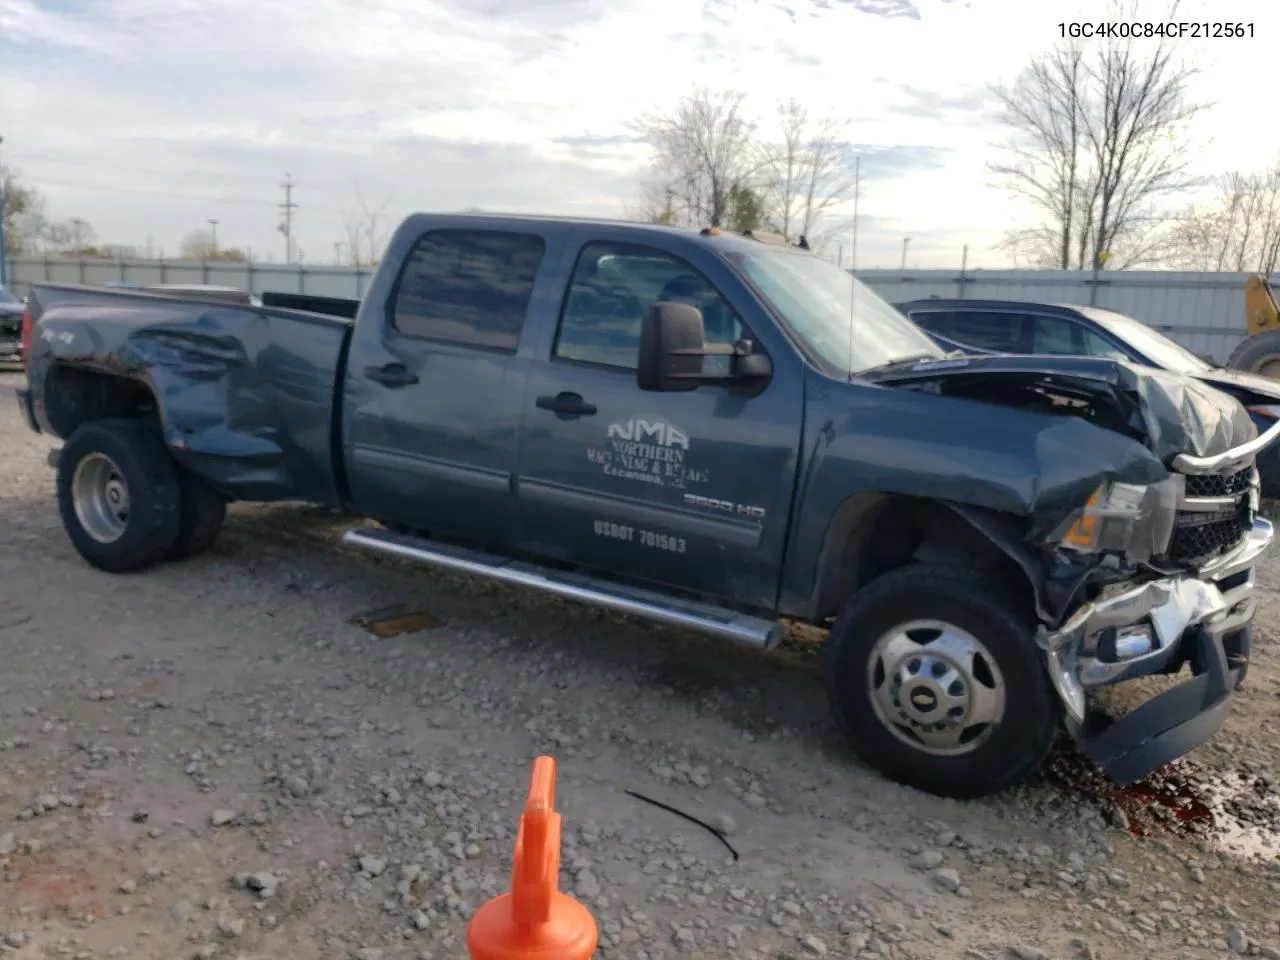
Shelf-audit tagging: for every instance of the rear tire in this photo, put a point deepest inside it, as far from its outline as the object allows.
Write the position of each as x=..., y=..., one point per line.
x=201, y=516
x=916, y=661
x=1258, y=354
x=118, y=494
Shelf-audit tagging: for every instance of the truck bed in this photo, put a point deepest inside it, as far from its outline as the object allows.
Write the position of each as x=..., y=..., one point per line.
x=246, y=395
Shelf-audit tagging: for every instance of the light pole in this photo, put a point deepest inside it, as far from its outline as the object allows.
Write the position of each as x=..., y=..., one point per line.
x=214, y=226
x=4, y=252
x=905, y=243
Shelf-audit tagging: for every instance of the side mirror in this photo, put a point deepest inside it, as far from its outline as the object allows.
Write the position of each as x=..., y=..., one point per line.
x=672, y=340
x=673, y=344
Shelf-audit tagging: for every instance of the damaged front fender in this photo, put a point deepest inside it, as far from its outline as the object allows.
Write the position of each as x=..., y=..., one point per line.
x=1032, y=468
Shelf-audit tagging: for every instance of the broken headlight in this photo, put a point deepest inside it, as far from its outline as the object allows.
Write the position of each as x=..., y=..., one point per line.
x=1130, y=518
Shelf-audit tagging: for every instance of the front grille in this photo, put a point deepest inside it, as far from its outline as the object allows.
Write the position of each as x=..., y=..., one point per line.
x=1199, y=537
x=1225, y=485
x=1204, y=526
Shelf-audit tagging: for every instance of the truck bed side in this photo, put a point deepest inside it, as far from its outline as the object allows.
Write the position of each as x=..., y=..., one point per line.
x=246, y=396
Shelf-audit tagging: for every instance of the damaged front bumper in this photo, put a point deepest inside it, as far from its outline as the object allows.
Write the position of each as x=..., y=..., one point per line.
x=1156, y=628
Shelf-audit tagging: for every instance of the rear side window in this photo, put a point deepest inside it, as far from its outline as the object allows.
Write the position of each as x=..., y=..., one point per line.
x=1000, y=332
x=469, y=287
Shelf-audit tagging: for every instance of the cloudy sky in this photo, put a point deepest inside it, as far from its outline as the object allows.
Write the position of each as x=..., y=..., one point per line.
x=149, y=117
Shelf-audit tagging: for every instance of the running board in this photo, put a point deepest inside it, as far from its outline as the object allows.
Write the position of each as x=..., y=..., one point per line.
x=704, y=618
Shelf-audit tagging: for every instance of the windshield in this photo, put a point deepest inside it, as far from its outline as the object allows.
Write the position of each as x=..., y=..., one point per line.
x=1162, y=351
x=8, y=298
x=839, y=318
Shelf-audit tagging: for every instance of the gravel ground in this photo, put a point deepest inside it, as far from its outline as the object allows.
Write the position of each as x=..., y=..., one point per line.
x=210, y=760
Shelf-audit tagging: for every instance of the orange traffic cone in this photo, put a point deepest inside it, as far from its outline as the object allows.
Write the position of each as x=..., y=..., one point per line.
x=534, y=921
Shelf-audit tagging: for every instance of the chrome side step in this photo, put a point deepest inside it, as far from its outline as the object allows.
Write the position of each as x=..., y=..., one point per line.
x=704, y=618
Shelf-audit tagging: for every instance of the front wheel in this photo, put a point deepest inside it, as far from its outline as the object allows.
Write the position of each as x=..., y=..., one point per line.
x=935, y=676
x=118, y=494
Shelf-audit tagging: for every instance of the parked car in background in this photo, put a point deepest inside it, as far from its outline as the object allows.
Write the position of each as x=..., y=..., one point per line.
x=10, y=327
x=985, y=327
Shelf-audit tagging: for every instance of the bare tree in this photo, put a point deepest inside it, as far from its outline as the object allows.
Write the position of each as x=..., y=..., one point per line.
x=1045, y=158
x=806, y=170
x=197, y=245
x=366, y=229
x=1238, y=230
x=1098, y=145
x=705, y=155
x=25, y=223
x=656, y=205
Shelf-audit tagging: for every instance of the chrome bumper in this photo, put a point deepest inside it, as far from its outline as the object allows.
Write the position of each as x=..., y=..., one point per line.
x=1156, y=628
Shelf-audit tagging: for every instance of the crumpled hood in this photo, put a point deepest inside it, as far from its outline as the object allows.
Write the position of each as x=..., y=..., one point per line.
x=1170, y=413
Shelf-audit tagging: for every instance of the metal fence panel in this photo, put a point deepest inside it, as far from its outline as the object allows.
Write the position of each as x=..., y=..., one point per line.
x=322, y=280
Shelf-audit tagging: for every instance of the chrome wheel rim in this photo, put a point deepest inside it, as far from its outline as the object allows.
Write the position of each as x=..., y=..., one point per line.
x=101, y=498
x=935, y=687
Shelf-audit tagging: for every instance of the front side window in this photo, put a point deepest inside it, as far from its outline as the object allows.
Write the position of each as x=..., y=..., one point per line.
x=1056, y=336
x=613, y=283
x=1096, y=345
x=469, y=287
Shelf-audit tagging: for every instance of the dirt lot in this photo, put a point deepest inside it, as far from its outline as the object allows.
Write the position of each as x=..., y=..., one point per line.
x=209, y=760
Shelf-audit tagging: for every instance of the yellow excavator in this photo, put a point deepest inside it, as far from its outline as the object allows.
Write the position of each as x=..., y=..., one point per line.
x=1259, y=351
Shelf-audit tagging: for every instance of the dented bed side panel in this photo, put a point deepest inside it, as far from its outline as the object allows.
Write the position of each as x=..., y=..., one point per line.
x=246, y=395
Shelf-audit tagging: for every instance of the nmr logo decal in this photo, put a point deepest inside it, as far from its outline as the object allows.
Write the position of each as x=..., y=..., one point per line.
x=648, y=450
x=649, y=431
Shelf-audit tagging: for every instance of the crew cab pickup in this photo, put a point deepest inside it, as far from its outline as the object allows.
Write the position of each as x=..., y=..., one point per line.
x=710, y=430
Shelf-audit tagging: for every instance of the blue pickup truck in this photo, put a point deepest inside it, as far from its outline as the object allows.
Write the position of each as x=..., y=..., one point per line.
x=711, y=430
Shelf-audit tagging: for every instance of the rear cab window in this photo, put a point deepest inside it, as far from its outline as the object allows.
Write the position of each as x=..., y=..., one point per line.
x=468, y=287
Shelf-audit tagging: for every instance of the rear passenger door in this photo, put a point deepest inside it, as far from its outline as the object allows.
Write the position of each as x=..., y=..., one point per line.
x=434, y=388
x=689, y=489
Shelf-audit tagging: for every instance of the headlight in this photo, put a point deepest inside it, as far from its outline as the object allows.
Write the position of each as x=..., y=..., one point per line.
x=1131, y=518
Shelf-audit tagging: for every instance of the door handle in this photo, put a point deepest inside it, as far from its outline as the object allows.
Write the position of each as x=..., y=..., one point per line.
x=566, y=406
x=391, y=375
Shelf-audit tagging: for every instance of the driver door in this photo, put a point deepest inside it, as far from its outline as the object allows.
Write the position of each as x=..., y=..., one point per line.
x=690, y=489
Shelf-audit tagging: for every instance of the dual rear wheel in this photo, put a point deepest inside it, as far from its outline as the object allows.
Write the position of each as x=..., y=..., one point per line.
x=126, y=504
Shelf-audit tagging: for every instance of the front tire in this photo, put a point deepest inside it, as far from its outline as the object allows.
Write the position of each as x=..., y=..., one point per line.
x=934, y=674
x=118, y=494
